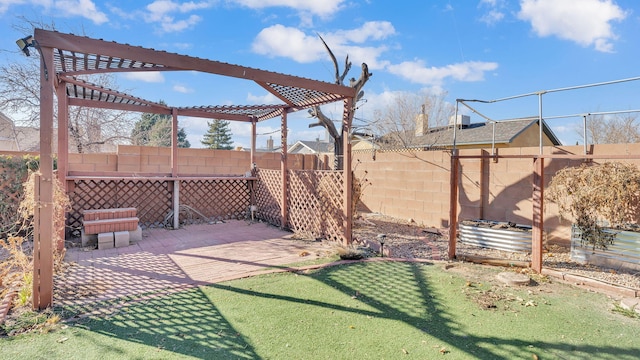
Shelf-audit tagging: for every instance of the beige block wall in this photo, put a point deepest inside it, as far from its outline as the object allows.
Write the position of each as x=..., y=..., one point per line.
x=191, y=162
x=415, y=185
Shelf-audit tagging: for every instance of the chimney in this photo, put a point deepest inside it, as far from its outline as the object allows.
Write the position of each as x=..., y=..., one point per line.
x=270, y=143
x=422, y=123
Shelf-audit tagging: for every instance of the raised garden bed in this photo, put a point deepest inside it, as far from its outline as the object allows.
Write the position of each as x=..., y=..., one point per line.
x=506, y=236
x=623, y=253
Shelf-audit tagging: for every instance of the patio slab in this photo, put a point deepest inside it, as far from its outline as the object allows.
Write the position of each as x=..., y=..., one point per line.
x=170, y=260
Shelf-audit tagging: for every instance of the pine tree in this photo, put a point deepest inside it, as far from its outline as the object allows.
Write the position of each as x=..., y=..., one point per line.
x=218, y=136
x=155, y=130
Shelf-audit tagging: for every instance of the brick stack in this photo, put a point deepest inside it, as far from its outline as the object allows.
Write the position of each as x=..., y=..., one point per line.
x=110, y=227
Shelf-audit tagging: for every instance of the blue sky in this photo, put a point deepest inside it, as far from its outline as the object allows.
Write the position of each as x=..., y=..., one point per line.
x=482, y=49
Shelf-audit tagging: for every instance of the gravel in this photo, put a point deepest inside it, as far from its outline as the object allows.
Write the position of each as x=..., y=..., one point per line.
x=406, y=239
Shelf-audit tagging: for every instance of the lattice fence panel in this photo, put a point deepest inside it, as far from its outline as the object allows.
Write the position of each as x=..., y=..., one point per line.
x=218, y=199
x=268, y=195
x=151, y=198
x=315, y=204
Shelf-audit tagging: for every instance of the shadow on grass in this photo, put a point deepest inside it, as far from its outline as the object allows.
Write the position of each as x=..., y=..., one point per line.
x=188, y=323
x=184, y=322
x=403, y=292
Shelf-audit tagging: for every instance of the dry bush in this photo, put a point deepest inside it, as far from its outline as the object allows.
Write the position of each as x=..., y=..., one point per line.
x=16, y=265
x=593, y=195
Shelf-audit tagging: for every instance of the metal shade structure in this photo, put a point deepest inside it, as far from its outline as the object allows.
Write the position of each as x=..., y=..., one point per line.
x=64, y=57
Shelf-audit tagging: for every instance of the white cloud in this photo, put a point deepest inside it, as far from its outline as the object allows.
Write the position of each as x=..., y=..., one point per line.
x=83, y=8
x=146, y=76
x=69, y=8
x=324, y=8
x=494, y=13
x=182, y=89
x=267, y=98
x=279, y=40
x=586, y=22
x=418, y=72
x=163, y=13
x=492, y=17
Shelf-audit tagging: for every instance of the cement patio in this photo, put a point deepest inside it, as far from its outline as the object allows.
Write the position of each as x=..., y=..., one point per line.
x=169, y=260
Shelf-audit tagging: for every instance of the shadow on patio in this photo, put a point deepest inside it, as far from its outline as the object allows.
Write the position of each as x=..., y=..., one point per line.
x=165, y=261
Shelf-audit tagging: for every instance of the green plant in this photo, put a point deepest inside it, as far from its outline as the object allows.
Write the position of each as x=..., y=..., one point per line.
x=25, y=292
x=595, y=194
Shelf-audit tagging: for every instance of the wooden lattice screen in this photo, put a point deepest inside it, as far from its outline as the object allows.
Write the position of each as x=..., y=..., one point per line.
x=213, y=199
x=315, y=202
x=152, y=199
x=218, y=199
x=268, y=196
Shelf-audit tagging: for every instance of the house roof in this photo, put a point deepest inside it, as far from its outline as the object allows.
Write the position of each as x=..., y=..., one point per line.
x=315, y=146
x=482, y=133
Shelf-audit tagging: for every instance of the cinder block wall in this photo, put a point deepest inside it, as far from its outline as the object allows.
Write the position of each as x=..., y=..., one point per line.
x=415, y=185
x=149, y=159
x=407, y=184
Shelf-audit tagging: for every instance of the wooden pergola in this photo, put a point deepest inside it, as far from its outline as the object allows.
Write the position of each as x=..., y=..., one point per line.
x=66, y=56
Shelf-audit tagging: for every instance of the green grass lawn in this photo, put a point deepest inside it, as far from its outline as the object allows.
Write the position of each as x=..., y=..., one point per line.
x=380, y=310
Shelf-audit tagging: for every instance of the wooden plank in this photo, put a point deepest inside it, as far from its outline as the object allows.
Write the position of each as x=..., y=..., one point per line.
x=284, y=169
x=44, y=203
x=174, y=142
x=171, y=61
x=37, y=266
x=347, y=194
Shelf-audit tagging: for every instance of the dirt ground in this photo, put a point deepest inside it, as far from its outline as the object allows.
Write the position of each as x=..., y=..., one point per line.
x=405, y=239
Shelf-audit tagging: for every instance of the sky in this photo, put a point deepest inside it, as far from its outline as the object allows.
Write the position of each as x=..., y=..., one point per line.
x=468, y=49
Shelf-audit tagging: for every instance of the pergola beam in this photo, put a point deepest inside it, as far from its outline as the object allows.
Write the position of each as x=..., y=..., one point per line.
x=162, y=59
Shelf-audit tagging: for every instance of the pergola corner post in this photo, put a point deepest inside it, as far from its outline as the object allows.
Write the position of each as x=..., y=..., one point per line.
x=537, y=235
x=63, y=149
x=43, y=212
x=174, y=168
x=347, y=171
x=284, y=210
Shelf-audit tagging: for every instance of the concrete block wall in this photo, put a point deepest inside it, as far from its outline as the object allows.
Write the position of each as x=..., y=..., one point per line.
x=406, y=185
x=196, y=162
x=415, y=185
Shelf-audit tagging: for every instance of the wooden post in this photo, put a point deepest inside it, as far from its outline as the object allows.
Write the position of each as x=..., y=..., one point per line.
x=284, y=211
x=174, y=168
x=253, y=143
x=176, y=204
x=453, y=203
x=538, y=215
x=174, y=142
x=63, y=150
x=43, y=226
x=347, y=173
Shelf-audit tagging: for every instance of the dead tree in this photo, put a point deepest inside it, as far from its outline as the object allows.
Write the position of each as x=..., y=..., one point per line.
x=325, y=121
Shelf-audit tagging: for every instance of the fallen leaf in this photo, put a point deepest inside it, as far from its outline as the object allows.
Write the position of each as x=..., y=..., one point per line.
x=61, y=340
x=405, y=352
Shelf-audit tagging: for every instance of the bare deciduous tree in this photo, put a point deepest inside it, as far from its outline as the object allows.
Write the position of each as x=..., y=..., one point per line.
x=89, y=128
x=396, y=124
x=328, y=123
x=613, y=129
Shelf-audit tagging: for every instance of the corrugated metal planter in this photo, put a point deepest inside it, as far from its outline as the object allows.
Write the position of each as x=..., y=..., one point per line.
x=623, y=253
x=490, y=235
